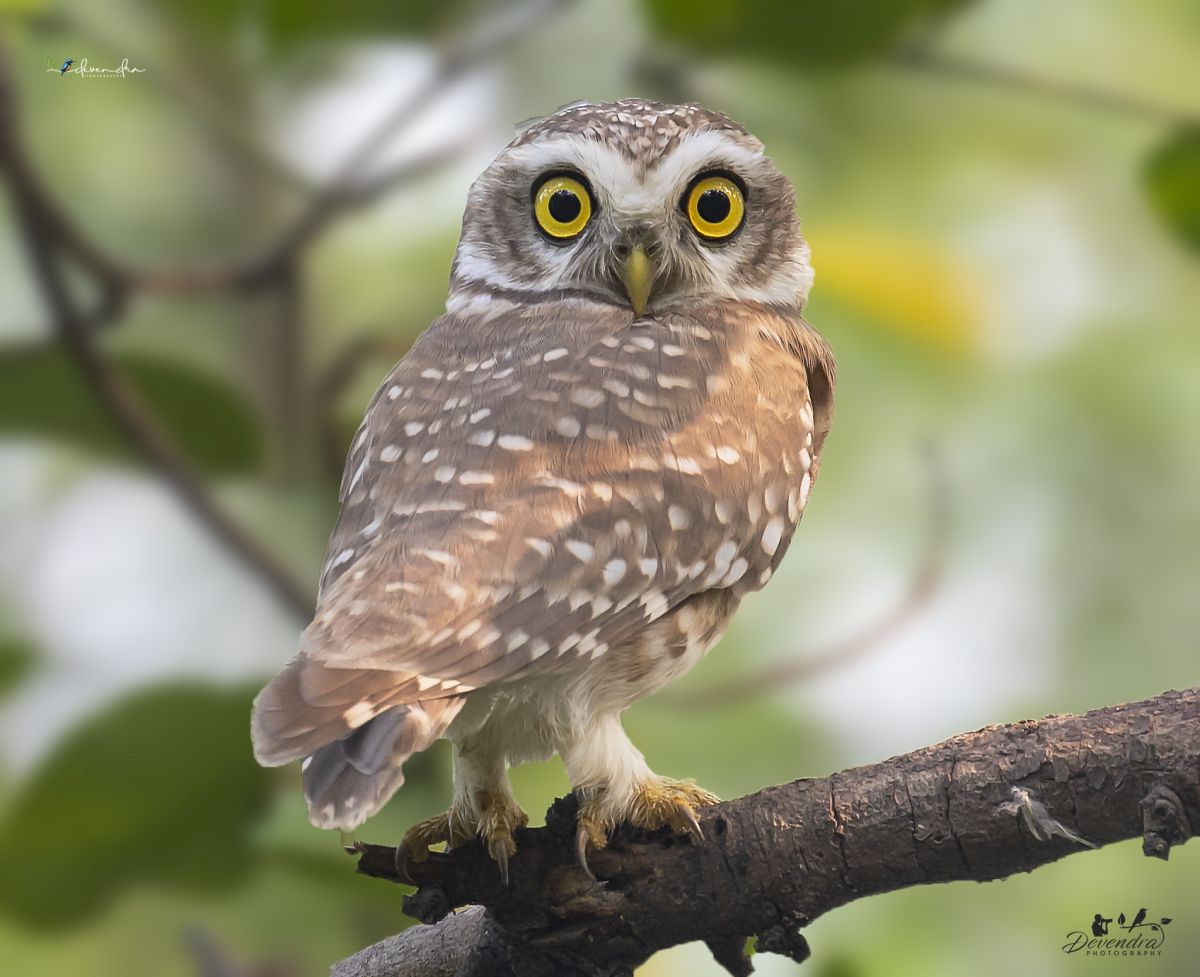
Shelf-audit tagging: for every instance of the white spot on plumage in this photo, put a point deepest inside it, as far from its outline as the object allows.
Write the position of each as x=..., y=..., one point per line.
x=568, y=426
x=668, y=382
x=516, y=638
x=554, y=354
x=482, y=438
x=541, y=546
x=581, y=550
x=480, y=414
x=476, y=478
x=389, y=453
x=514, y=442
x=429, y=373
x=679, y=517
x=343, y=557
x=587, y=397
x=729, y=455
x=429, y=455
x=772, y=496
x=359, y=713
x=723, y=511
x=772, y=535
x=736, y=572
x=413, y=428
x=394, y=391
x=805, y=488
x=445, y=474
x=655, y=602
x=439, y=556
x=614, y=571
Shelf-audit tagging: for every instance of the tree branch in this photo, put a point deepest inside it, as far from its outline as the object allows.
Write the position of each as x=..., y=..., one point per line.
x=117, y=398
x=982, y=805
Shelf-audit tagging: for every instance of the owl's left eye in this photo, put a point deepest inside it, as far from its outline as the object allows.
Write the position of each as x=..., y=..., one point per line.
x=715, y=205
x=562, y=206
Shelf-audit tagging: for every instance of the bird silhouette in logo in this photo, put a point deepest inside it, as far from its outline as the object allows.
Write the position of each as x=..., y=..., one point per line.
x=66, y=66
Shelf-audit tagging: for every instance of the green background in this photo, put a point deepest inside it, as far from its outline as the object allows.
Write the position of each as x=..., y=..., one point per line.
x=1003, y=203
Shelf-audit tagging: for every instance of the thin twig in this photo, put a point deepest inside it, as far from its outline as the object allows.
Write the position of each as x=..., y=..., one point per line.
x=921, y=58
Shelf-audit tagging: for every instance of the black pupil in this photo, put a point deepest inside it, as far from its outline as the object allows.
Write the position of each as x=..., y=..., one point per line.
x=713, y=206
x=565, y=206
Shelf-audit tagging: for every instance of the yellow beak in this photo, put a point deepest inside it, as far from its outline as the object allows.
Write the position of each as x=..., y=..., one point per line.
x=637, y=273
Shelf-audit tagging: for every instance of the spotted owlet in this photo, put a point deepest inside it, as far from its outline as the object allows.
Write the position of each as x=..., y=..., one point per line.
x=558, y=498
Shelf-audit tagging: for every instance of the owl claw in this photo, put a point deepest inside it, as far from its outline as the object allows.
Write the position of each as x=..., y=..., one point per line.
x=414, y=846
x=499, y=818
x=671, y=803
x=581, y=849
x=691, y=824
x=500, y=855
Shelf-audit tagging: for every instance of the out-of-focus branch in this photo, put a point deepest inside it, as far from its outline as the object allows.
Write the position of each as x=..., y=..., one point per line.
x=922, y=57
x=922, y=587
x=980, y=806
x=51, y=235
x=119, y=401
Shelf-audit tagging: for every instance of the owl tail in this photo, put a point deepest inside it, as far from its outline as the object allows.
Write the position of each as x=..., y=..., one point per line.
x=351, y=767
x=347, y=781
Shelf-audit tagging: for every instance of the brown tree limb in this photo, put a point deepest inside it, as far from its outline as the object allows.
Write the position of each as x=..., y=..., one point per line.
x=981, y=806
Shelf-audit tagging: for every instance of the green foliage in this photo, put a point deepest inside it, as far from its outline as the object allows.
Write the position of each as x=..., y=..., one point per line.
x=41, y=396
x=286, y=21
x=161, y=788
x=804, y=32
x=1172, y=180
x=16, y=657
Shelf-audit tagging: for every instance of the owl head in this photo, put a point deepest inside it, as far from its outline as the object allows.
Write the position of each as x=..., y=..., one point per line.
x=638, y=203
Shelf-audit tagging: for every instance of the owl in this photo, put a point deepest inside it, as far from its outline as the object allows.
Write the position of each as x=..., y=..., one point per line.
x=558, y=498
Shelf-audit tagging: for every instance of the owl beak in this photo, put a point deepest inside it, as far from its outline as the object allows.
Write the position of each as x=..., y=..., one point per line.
x=637, y=274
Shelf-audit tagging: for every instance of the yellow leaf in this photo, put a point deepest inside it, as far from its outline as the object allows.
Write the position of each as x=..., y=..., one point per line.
x=917, y=289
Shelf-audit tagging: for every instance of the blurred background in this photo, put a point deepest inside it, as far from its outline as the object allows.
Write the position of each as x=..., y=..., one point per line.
x=209, y=259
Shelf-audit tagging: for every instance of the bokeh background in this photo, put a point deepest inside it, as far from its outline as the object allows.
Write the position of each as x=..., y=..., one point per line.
x=207, y=265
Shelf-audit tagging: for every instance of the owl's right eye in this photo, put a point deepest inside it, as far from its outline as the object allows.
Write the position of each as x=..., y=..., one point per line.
x=562, y=206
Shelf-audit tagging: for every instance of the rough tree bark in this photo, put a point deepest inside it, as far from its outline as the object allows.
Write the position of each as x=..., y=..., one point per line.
x=980, y=806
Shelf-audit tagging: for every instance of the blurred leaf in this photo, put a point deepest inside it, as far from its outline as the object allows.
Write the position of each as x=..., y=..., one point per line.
x=292, y=20
x=1172, y=180
x=919, y=290
x=42, y=395
x=162, y=788
x=15, y=661
x=803, y=32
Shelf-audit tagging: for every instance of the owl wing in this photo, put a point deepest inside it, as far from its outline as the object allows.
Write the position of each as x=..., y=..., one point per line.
x=526, y=492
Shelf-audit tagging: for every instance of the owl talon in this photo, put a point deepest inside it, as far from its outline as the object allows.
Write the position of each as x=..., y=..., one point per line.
x=691, y=825
x=499, y=853
x=499, y=818
x=671, y=803
x=581, y=849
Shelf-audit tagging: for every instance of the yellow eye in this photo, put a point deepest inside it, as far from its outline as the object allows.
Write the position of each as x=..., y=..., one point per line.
x=715, y=207
x=562, y=206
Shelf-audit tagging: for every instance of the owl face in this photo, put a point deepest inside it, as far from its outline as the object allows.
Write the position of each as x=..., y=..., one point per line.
x=637, y=203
